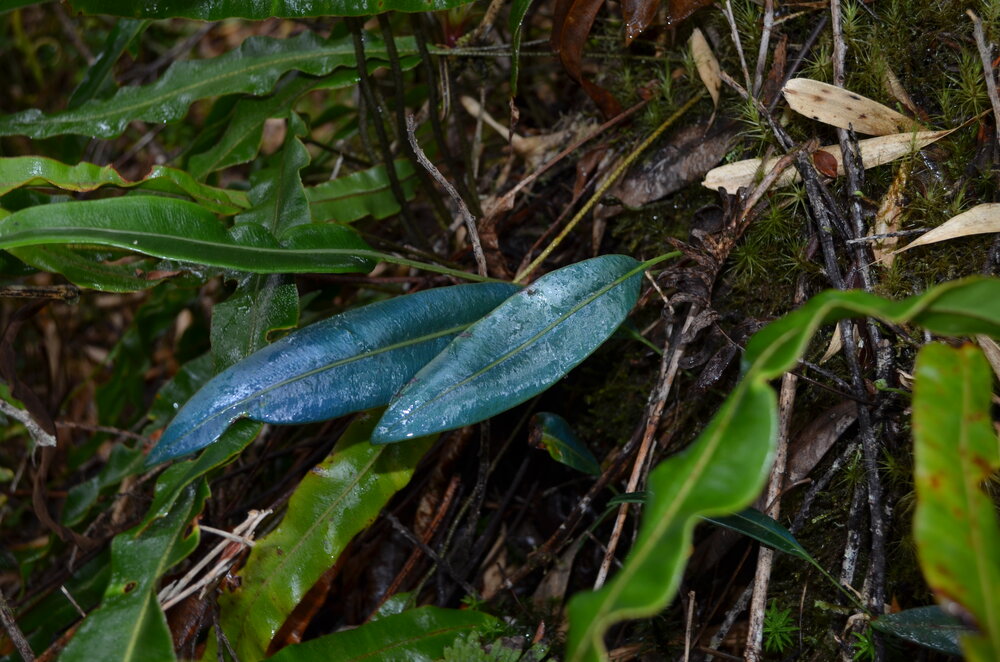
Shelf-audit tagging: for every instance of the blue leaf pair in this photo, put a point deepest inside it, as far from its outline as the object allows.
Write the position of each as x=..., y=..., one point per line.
x=440, y=359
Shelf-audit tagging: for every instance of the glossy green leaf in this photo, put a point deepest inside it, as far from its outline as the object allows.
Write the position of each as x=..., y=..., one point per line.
x=18, y=171
x=88, y=268
x=720, y=473
x=955, y=524
x=244, y=125
x=518, y=9
x=98, y=80
x=927, y=626
x=755, y=524
x=180, y=230
x=179, y=476
x=335, y=501
x=253, y=68
x=278, y=197
x=416, y=635
x=349, y=362
x=42, y=620
x=724, y=469
x=518, y=350
x=361, y=194
x=123, y=461
x=242, y=323
x=129, y=624
x=552, y=432
x=216, y=10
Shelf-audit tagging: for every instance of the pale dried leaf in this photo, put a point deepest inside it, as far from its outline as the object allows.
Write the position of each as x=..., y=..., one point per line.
x=888, y=216
x=992, y=351
x=981, y=219
x=708, y=66
x=844, y=109
x=874, y=152
x=897, y=91
x=836, y=343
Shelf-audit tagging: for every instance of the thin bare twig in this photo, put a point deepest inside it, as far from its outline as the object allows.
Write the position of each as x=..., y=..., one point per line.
x=765, y=40
x=669, y=365
x=727, y=10
x=14, y=632
x=463, y=209
x=758, y=601
x=40, y=436
x=986, y=54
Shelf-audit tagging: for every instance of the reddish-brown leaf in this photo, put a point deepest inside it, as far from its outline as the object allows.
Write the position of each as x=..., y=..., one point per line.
x=825, y=163
x=678, y=10
x=572, y=22
x=638, y=15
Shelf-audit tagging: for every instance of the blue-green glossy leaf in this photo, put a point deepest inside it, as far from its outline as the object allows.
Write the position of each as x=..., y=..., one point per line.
x=347, y=363
x=518, y=350
x=927, y=626
x=556, y=436
x=416, y=635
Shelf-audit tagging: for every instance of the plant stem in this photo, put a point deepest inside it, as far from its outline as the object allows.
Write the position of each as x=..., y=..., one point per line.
x=618, y=172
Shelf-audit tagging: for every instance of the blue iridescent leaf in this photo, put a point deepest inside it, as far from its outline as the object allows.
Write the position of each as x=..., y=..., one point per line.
x=353, y=361
x=517, y=351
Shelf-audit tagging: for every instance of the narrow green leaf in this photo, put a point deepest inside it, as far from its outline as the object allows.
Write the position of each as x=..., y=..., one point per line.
x=42, y=620
x=361, y=194
x=242, y=323
x=180, y=230
x=129, y=624
x=967, y=306
x=336, y=500
x=88, y=268
x=278, y=197
x=18, y=171
x=552, y=432
x=98, y=81
x=216, y=10
x=253, y=68
x=720, y=473
x=955, y=524
x=179, y=476
x=518, y=350
x=725, y=468
x=927, y=626
x=244, y=125
x=416, y=635
x=755, y=524
x=518, y=9
x=347, y=363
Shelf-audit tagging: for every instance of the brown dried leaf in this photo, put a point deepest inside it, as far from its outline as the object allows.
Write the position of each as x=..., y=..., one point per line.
x=678, y=10
x=825, y=163
x=896, y=90
x=572, y=22
x=813, y=442
x=708, y=66
x=683, y=160
x=874, y=152
x=981, y=219
x=638, y=15
x=842, y=108
x=888, y=217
